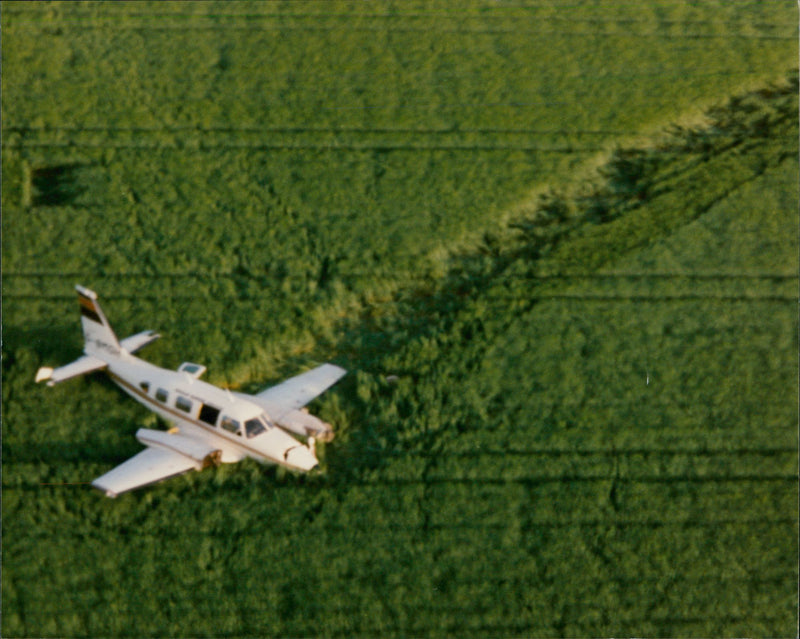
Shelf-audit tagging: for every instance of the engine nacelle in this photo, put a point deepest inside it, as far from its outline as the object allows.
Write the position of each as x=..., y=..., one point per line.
x=302, y=423
x=201, y=453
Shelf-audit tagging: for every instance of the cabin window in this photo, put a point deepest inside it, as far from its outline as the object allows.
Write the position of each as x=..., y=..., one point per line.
x=145, y=386
x=209, y=414
x=231, y=425
x=162, y=395
x=194, y=370
x=254, y=427
x=181, y=403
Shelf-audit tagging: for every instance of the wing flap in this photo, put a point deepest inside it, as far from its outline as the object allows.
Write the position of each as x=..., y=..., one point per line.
x=297, y=391
x=80, y=366
x=147, y=467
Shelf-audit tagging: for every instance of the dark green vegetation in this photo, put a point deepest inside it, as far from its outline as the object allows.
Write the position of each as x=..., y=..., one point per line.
x=567, y=300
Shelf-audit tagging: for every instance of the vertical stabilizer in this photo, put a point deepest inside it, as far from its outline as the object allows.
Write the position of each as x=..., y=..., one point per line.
x=100, y=339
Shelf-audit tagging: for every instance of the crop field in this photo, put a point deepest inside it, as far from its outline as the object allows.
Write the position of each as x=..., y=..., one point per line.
x=554, y=243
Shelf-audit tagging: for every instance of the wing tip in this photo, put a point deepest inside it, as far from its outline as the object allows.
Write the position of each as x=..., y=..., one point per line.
x=338, y=369
x=106, y=491
x=44, y=374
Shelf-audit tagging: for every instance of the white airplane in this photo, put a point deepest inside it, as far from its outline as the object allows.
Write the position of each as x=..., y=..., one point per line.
x=211, y=425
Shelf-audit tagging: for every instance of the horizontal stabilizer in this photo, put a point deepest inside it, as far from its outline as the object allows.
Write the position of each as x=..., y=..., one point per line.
x=80, y=366
x=135, y=342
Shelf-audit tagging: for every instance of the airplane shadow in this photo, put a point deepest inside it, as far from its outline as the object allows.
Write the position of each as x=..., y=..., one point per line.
x=61, y=452
x=51, y=343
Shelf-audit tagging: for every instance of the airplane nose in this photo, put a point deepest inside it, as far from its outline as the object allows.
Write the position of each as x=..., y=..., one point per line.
x=301, y=457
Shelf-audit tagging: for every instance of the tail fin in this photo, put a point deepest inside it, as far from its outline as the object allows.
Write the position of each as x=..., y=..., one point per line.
x=100, y=342
x=100, y=339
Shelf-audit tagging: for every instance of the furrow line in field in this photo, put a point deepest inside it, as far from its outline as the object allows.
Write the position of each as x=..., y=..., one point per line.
x=611, y=452
x=323, y=610
x=525, y=481
x=319, y=105
x=60, y=27
x=308, y=129
x=639, y=580
x=458, y=16
x=680, y=297
x=589, y=298
x=515, y=629
x=565, y=479
x=428, y=606
x=15, y=453
x=684, y=73
x=310, y=624
x=370, y=526
x=261, y=146
x=214, y=607
x=370, y=275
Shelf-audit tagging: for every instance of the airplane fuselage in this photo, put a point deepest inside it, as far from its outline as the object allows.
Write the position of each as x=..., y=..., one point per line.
x=225, y=421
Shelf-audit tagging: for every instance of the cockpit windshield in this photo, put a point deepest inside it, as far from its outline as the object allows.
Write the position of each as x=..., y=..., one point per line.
x=256, y=426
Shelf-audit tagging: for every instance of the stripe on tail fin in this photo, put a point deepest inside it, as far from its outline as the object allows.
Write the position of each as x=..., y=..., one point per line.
x=100, y=339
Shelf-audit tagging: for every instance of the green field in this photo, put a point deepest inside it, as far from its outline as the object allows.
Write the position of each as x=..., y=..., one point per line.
x=555, y=244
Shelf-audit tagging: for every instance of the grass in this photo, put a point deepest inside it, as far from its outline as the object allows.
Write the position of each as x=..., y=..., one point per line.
x=572, y=406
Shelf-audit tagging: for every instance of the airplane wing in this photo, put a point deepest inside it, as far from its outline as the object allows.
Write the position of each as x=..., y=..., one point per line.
x=80, y=366
x=148, y=467
x=297, y=391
